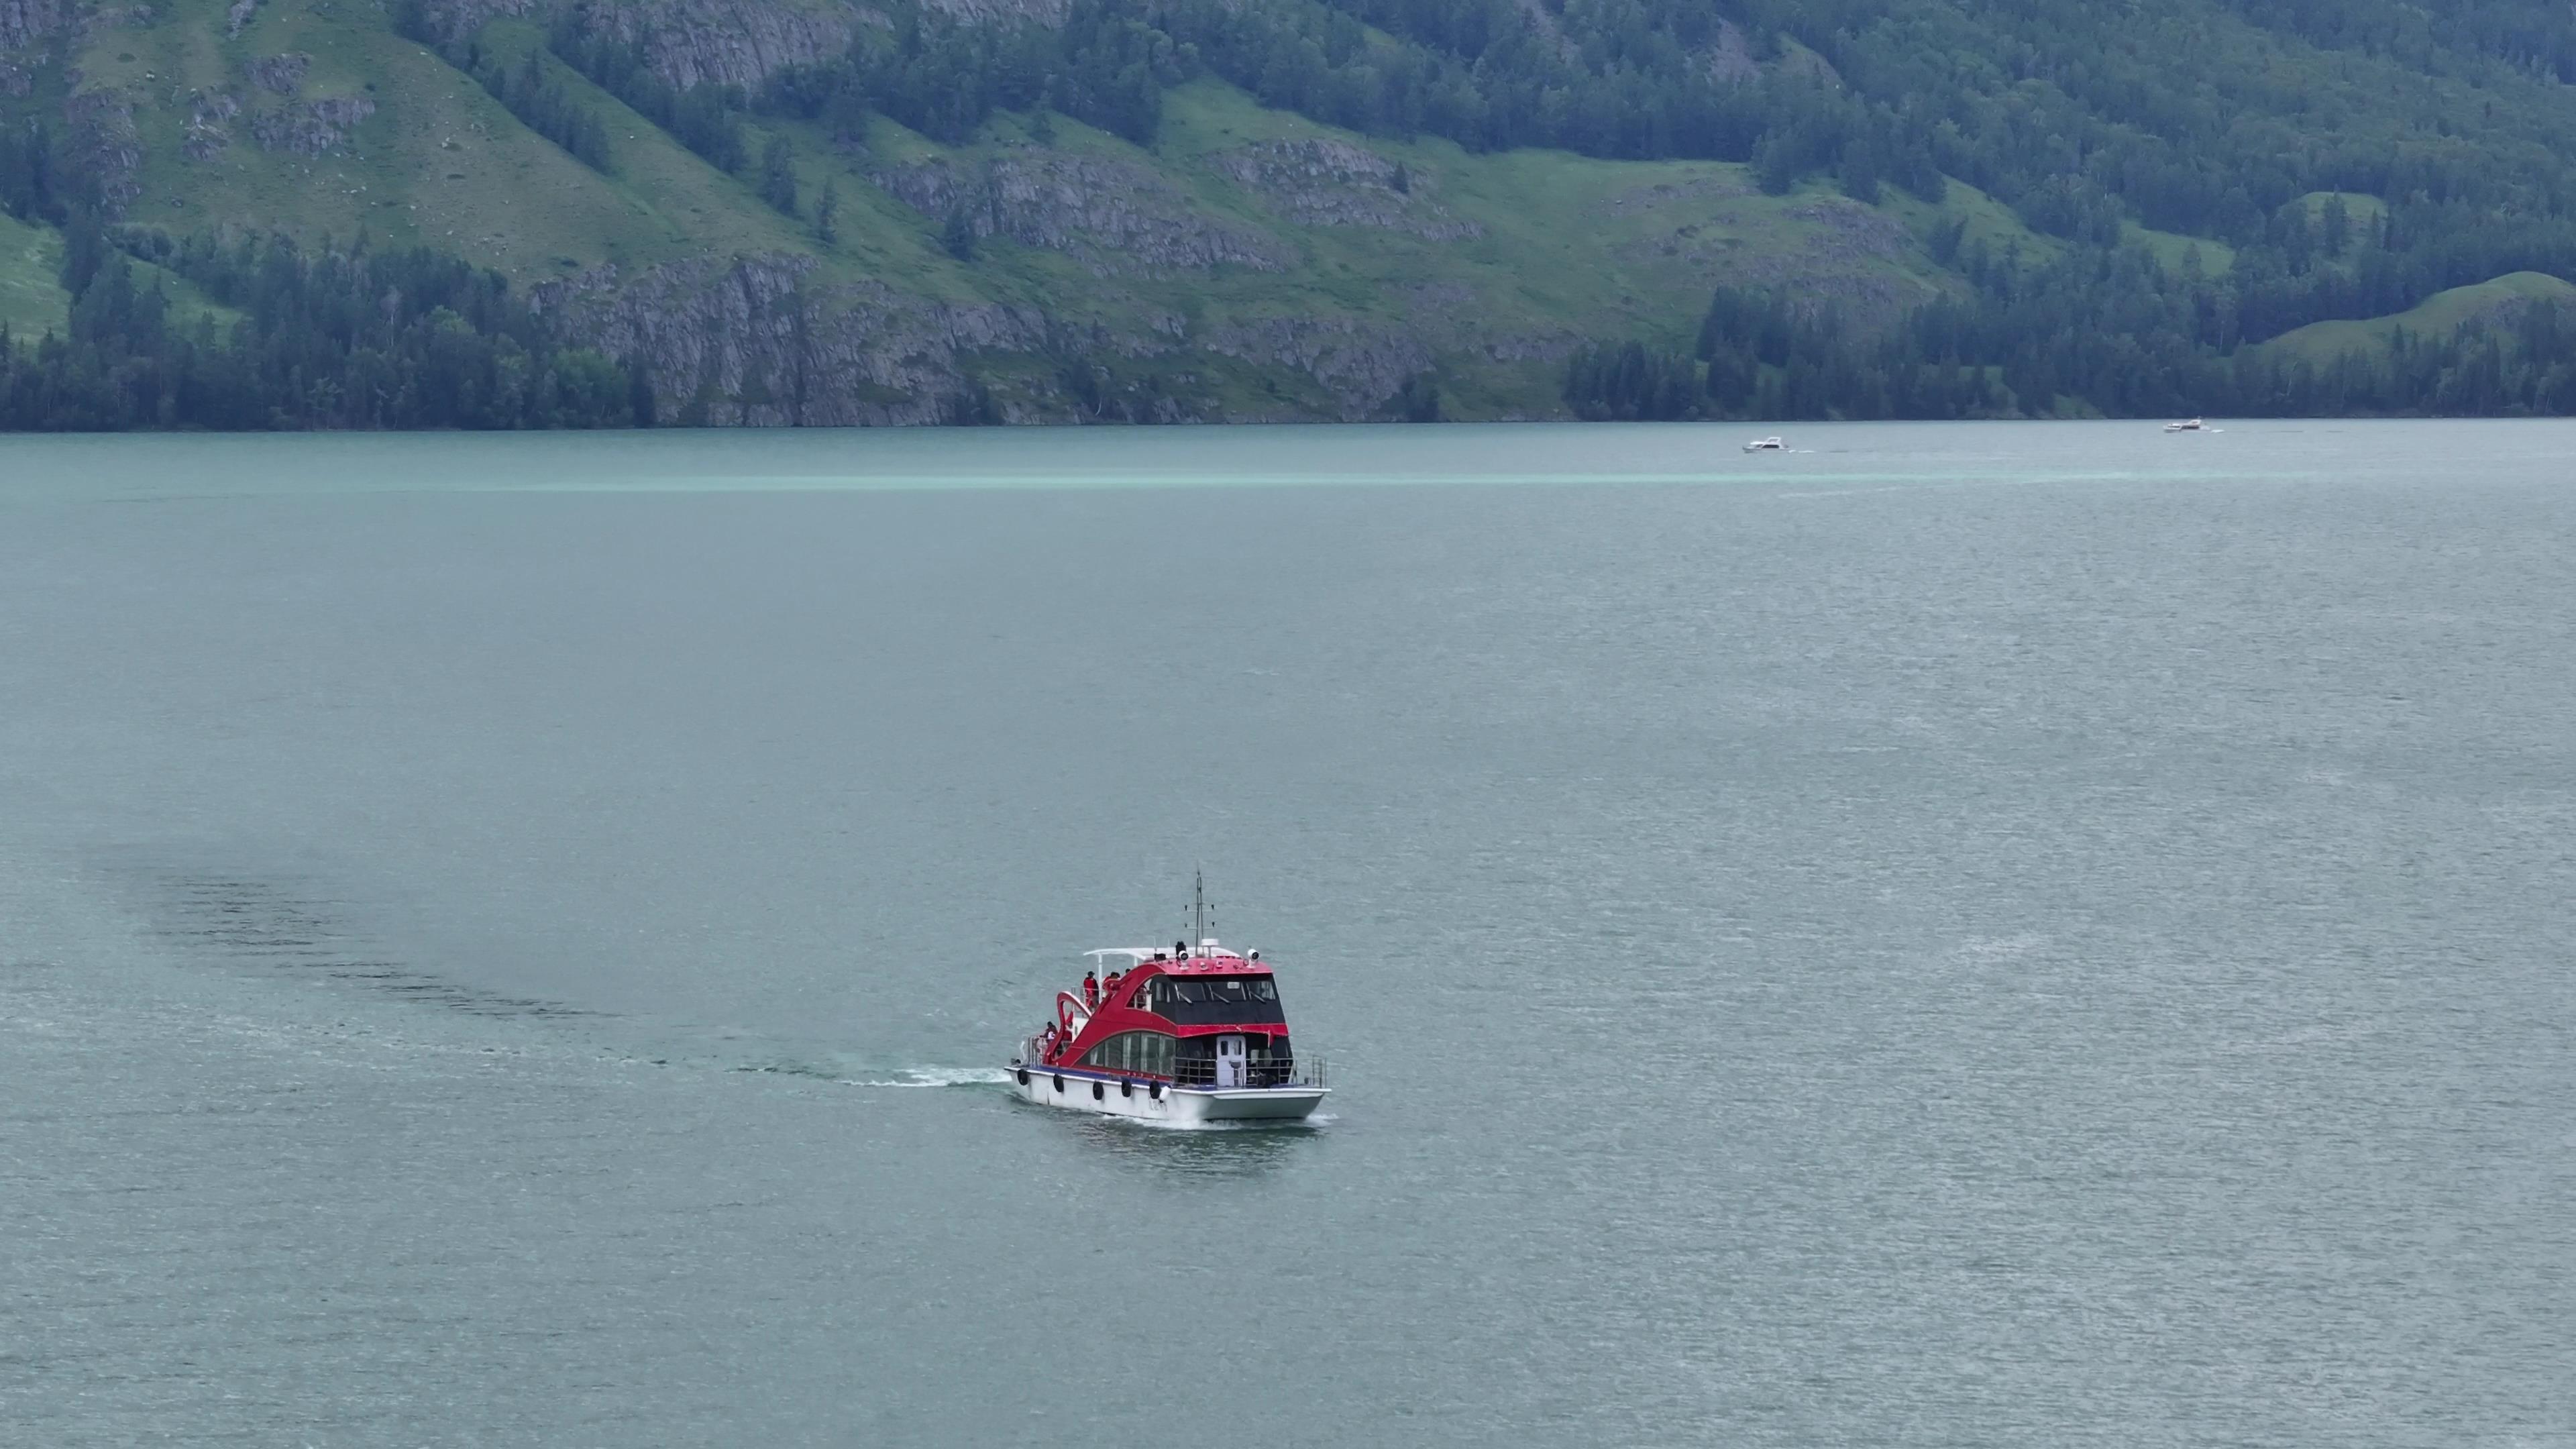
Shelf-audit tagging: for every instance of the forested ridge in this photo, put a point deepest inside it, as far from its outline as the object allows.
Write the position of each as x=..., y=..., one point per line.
x=2203, y=117
x=341, y=337
x=2341, y=161
x=2114, y=329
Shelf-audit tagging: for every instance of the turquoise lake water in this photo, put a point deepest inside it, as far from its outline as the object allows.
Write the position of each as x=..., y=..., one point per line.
x=1965, y=934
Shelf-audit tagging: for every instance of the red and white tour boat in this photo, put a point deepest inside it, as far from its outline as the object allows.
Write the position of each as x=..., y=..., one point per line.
x=1192, y=1034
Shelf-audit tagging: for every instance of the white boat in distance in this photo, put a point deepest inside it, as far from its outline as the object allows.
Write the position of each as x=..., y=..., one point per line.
x=1770, y=444
x=2187, y=425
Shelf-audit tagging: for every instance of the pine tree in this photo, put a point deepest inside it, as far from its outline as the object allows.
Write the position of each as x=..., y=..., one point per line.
x=1418, y=400
x=778, y=175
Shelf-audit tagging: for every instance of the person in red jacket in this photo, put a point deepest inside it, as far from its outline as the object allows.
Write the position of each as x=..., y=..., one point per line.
x=1090, y=992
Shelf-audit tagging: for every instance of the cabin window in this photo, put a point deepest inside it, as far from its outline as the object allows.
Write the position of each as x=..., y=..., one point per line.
x=1216, y=1000
x=1133, y=1051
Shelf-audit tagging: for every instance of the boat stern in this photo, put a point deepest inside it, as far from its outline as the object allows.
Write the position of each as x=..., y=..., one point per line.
x=1247, y=1104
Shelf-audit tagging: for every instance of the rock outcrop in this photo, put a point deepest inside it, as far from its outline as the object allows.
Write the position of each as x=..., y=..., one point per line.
x=315, y=129
x=1730, y=59
x=723, y=42
x=736, y=42
x=279, y=73
x=24, y=22
x=747, y=342
x=991, y=12
x=1116, y=219
x=754, y=342
x=25, y=25
x=1849, y=231
x=456, y=19
x=100, y=143
x=1335, y=183
x=1361, y=364
x=1702, y=188
x=1449, y=317
x=209, y=129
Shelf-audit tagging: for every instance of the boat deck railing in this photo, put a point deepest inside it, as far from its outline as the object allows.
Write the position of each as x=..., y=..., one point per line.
x=1260, y=1072
x=1257, y=1072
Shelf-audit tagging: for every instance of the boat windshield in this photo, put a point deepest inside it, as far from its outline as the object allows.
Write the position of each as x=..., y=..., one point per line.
x=1215, y=1000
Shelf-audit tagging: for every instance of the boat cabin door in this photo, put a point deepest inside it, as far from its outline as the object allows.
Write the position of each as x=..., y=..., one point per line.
x=1229, y=1061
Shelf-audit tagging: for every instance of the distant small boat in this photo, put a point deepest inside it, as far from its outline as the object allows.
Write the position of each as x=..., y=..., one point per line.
x=1773, y=445
x=2187, y=425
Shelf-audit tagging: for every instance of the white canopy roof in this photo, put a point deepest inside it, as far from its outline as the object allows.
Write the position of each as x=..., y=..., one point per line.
x=1142, y=954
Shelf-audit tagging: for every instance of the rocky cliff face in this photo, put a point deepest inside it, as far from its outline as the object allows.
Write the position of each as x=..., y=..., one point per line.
x=1117, y=219
x=744, y=42
x=279, y=73
x=25, y=26
x=102, y=144
x=1335, y=183
x=747, y=342
x=1360, y=364
x=24, y=22
x=726, y=42
x=317, y=128
x=988, y=12
x=752, y=342
x=456, y=19
x=1730, y=60
x=209, y=128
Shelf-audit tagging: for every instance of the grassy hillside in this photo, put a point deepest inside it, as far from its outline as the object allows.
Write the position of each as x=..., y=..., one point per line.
x=436, y=162
x=440, y=162
x=2440, y=315
x=31, y=300
x=1303, y=209
x=1489, y=266
x=1559, y=246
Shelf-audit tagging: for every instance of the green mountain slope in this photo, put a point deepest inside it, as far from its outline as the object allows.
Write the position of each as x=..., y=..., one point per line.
x=2439, y=315
x=1193, y=209
x=32, y=299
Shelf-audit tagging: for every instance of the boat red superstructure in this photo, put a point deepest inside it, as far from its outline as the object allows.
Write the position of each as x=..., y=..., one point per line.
x=1191, y=1034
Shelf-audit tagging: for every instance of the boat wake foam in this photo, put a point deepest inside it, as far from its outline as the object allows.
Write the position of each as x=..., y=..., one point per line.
x=846, y=1073
x=933, y=1077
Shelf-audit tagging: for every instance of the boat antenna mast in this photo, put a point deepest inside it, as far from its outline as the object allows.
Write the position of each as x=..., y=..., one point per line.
x=1198, y=906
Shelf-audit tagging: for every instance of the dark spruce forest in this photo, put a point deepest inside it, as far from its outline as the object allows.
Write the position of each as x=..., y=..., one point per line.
x=573, y=213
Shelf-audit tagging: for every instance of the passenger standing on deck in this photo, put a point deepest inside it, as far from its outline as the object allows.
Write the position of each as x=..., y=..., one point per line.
x=1090, y=992
x=1109, y=987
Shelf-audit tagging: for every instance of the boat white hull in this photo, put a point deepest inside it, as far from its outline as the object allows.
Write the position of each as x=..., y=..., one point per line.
x=1110, y=1096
